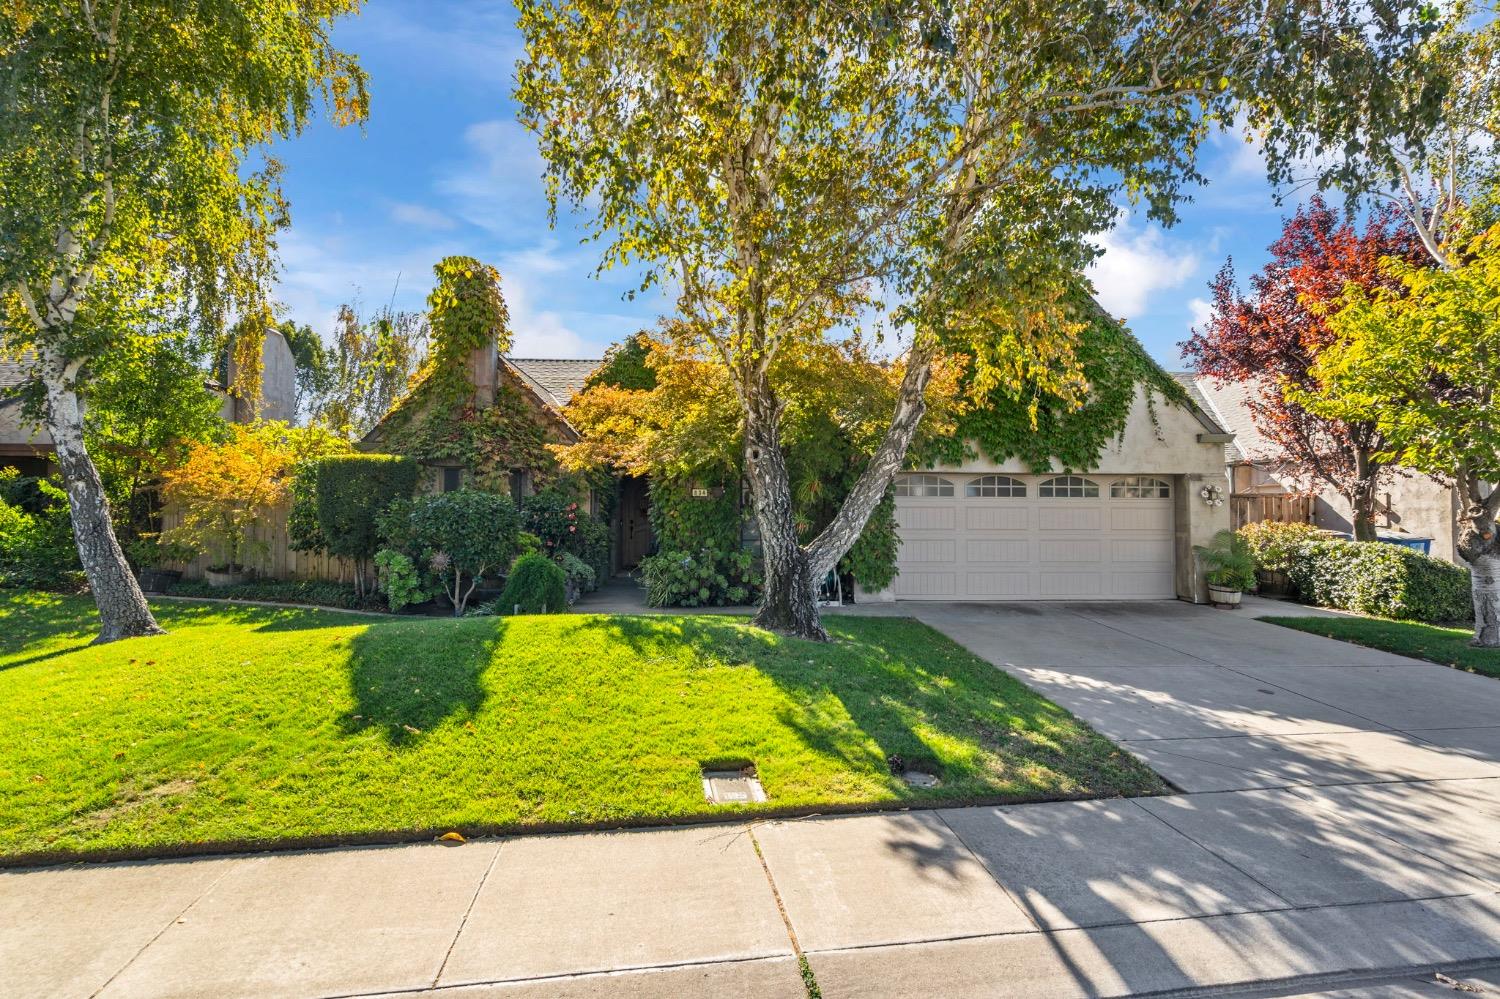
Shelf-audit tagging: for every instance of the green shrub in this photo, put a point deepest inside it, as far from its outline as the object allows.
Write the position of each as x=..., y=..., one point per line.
x=562, y=527
x=400, y=579
x=317, y=592
x=352, y=491
x=537, y=585
x=1371, y=577
x=1227, y=561
x=37, y=551
x=872, y=558
x=1274, y=544
x=706, y=578
x=461, y=536
x=579, y=574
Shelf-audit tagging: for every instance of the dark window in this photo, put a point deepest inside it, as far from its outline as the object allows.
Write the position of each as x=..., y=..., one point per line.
x=453, y=478
x=518, y=485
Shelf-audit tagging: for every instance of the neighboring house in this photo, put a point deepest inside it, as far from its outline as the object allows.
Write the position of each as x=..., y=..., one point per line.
x=1122, y=530
x=1414, y=508
x=29, y=448
x=278, y=385
x=22, y=445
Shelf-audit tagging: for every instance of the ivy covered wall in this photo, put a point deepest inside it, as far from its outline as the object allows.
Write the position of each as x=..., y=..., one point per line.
x=1043, y=430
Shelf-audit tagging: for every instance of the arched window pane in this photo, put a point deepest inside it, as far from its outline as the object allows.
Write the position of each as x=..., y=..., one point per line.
x=923, y=485
x=1140, y=487
x=1069, y=487
x=995, y=486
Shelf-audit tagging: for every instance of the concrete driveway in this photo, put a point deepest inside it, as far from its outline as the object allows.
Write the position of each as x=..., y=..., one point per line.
x=1219, y=701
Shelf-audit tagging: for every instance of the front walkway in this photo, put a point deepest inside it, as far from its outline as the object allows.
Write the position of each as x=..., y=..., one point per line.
x=1339, y=815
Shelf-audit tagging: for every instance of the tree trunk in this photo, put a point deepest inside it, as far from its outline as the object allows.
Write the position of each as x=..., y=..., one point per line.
x=1362, y=497
x=839, y=536
x=123, y=611
x=789, y=598
x=1479, y=546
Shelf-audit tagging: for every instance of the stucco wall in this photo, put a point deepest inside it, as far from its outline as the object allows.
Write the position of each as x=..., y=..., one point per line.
x=1417, y=505
x=278, y=385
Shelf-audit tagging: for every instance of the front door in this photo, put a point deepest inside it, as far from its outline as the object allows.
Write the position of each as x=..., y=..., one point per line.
x=635, y=522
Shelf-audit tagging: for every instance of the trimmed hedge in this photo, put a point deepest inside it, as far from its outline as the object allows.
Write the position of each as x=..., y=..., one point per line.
x=315, y=592
x=352, y=490
x=1371, y=577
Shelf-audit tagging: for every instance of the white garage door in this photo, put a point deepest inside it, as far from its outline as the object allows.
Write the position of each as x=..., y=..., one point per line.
x=1034, y=537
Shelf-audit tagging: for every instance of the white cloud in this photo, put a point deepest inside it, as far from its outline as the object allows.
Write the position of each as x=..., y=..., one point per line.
x=1201, y=310
x=498, y=185
x=419, y=216
x=1135, y=264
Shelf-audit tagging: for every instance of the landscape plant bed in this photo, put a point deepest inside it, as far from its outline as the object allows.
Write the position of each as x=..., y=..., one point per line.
x=1435, y=643
x=251, y=727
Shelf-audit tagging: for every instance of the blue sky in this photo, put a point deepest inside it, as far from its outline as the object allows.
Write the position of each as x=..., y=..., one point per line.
x=443, y=167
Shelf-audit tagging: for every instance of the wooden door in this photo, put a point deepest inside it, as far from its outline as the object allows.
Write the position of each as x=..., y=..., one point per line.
x=636, y=539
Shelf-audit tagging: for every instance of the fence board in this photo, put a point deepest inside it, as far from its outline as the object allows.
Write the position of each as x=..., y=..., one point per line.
x=1252, y=508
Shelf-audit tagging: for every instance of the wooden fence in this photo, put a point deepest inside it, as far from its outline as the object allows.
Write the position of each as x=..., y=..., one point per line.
x=270, y=555
x=1252, y=508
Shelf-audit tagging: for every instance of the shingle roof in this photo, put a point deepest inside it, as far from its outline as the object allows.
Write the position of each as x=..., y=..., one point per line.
x=556, y=380
x=1229, y=403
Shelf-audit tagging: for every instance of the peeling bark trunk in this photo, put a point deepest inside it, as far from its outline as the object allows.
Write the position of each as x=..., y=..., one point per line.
x=1479, y=546
x=839, y=536
x=123, y=611
x=790, y=598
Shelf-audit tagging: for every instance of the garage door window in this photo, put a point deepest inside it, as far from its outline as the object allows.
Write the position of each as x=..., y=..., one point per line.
x=988, y=486
x=1140, y=487
x=1069, y=487
x=923, y=485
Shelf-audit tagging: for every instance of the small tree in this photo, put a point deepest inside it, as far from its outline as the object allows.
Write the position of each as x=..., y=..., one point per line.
x=463, y=535
x=352, y=491
x=224, y=489
x=1425, y=367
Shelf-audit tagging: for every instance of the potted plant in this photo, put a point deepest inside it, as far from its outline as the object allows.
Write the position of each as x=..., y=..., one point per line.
x=1274, y=546
x=1229, y=568
x=224, y=489
x=150, y=555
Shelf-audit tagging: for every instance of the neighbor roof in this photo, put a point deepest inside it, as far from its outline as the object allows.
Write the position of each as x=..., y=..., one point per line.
x=1229, y=403
x=555, y=379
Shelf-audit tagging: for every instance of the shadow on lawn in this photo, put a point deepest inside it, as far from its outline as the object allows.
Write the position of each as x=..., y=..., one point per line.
x=889, y=679
x=408, y=677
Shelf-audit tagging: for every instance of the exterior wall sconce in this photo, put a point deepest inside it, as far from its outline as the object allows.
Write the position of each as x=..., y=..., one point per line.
x=1212, y=495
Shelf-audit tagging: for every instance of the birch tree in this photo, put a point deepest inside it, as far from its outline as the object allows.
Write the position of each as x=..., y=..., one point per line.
x=1400, y=107
x=789, y=168
x=132, y=138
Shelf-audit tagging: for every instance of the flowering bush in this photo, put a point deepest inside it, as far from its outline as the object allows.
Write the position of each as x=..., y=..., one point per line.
x=563, y=527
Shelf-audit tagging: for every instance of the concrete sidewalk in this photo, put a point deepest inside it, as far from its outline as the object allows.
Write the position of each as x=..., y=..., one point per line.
x=1340, y=816
x=1079, y=898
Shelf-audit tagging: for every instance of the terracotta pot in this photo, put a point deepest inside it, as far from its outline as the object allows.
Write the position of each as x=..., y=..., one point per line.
x=227, y=576
x=1224, y=596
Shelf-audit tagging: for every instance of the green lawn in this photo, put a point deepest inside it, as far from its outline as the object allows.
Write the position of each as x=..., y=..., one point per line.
x=1449, y=646
x=253, y=725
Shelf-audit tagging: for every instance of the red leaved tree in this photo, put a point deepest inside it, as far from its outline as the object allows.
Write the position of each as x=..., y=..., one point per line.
x=1273, y=335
